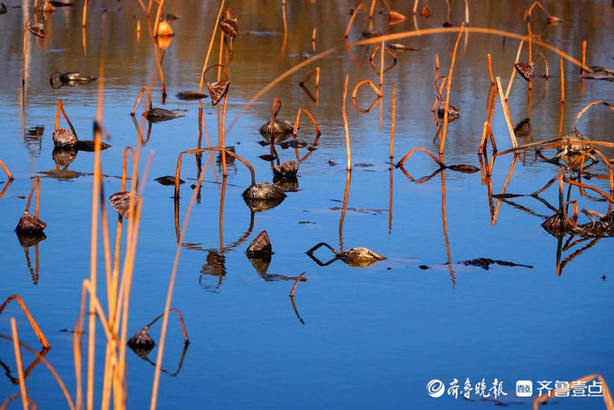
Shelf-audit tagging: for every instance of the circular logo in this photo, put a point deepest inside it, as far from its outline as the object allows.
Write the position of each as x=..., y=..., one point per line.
x=435, y=388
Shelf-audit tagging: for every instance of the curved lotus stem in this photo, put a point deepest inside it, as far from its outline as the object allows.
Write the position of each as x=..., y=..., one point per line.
x=127, y=150
x=206, y=62
x=389, y=52
x=316, y=72
x=353, y=17
x=6, y=171
x=36, y=184
x=198, y=151
x=144, y=89
x=59, y=110
x=222, y=66
x=39, y=333
x=355, y=92
x=587, y=107
x=181, y=322
x=315, y=126
x=446, y=119
x=410, y=153
x=157, y=21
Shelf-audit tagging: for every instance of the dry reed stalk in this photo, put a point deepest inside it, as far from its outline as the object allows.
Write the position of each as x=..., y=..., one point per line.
x=157, y=20
x=22, y=380
x=353, y=17
x=313, y=40
x=392, y=37
x=490, y=72
x=285, y=23
x=561, y=117
x=37, y=331
x=393, y=114
x=84, y=40
x=562, y=82
x=126, y=281
x=506, y=113
x=444, y=226
x=466, y=11
x=36, y=184
x=447, y=101
x=6, y=171
x=381, y=69
x=84, y=13
x=346, y=196
x=415, y=8
x=149, y=7
x=206, y=63
x=162, y=340
x=583, y=56
x=482, y=148
x=513, y=75
x=436, y=67
x=345, y=121
x=390, y=197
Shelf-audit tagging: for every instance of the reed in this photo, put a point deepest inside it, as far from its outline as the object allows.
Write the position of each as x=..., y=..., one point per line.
x=345, y=123
x=22, y=380
x=506, y=113
x=84, y=13
x=444, y=131
x=37, y=331
x=6, y=171
x=392, y=120
x=583, y=56
x=562, y=82
x=210, y=47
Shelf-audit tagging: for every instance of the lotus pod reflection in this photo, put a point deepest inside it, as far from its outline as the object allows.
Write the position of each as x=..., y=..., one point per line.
x=287, y=169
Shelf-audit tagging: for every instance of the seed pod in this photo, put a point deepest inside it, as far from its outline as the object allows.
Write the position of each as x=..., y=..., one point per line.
x=527, y=71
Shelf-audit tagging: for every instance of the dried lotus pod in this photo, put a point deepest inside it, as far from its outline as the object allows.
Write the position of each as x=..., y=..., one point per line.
x=62, y=138
x=30, y=224
x=64, y=156
x=121, y=203
x=218, y=89
x=261, y=245
x=527, y=71
x=360, y=257
x=264, y=191
x=557, y=225
x=141, y=343
x=37, y=29
x=394, y=17
x=453, y=112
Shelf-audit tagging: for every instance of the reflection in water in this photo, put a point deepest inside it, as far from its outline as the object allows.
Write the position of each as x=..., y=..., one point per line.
x=26, y=240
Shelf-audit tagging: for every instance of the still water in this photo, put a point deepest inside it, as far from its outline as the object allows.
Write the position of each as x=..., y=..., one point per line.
x=356, y=338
